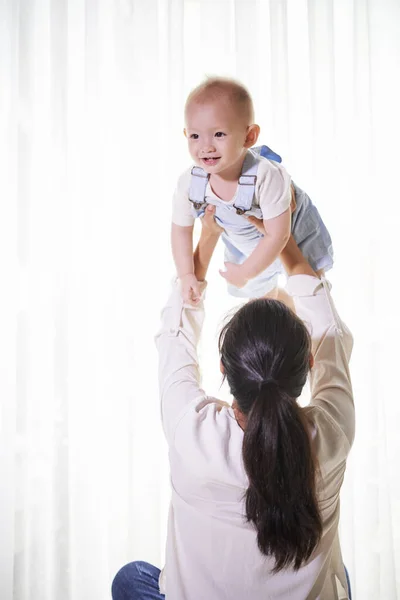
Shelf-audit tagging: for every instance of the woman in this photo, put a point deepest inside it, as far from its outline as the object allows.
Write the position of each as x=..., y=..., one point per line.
x=255, y=487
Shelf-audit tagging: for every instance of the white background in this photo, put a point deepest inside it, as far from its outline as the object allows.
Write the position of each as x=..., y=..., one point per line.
x=91, y=144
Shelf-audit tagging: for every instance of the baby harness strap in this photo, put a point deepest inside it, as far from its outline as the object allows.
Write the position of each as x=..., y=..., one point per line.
x=248, y=178
x=198, y=185
x=247, y=181
x=247, y=184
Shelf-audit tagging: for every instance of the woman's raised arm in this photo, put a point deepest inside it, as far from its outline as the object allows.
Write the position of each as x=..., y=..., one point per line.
x=332, y=341
x=209, y=237
x=177, y=339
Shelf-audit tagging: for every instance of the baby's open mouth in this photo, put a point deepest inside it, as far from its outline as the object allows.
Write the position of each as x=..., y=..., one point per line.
x=211, y=161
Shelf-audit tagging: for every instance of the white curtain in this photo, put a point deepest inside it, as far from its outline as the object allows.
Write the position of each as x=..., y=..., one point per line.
x=91, y=97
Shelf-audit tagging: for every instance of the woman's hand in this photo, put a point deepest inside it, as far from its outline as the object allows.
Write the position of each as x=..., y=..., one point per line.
x=259, y=224
x=208, y=222
x=190, y=289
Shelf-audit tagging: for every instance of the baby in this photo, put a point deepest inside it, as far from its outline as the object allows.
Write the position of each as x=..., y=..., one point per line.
x=239, y=182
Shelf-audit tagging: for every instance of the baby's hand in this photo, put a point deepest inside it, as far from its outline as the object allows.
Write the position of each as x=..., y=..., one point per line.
x=190, y=289
x=234, y=274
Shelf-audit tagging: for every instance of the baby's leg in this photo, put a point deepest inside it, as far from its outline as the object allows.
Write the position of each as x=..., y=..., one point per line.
x=311, y=234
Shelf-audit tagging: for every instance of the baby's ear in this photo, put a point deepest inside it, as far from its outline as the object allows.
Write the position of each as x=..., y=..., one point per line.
x=253, y=131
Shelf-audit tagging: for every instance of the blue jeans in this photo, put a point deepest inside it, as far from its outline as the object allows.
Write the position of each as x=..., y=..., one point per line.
x=348, y=581
x=139, y=581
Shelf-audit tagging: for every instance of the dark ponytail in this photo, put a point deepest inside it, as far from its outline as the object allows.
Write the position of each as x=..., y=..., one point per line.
x=265, y=350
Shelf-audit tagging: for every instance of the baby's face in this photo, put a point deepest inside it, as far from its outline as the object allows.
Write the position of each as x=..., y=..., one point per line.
x=216, y=136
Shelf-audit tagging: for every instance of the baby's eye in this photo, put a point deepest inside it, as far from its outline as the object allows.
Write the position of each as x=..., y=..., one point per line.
x=194, y=136
x=219, y=134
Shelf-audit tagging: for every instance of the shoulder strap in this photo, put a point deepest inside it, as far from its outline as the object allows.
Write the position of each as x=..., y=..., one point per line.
x=266, y=152
x=247, y=184
x=198, y=184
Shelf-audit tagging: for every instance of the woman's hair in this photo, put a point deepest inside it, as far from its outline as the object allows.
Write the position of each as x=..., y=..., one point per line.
x=265, y=351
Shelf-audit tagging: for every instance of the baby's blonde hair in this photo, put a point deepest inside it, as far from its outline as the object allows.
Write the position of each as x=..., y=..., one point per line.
x=214, y=88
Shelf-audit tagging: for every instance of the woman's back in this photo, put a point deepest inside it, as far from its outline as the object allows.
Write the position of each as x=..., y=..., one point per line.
x=212, y=550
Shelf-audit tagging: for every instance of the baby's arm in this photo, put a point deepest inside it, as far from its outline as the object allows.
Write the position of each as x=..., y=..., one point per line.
x=182, y=251
x=182, y=239
x=182, y=248
x=277, y=234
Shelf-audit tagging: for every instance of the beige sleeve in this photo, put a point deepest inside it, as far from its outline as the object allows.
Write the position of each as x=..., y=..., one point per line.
x=273, y=189
x=181, y=206
x=178, y=368
x=332, y=343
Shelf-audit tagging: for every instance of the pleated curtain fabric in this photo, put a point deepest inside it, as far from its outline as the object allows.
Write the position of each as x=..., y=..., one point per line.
x=91, y=144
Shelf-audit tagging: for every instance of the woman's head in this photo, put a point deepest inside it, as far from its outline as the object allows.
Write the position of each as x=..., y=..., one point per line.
x=264, y=343
x=265, y=353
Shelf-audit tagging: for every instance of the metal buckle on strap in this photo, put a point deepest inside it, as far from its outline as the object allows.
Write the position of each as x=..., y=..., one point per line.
x=197, y=205
x=240, y=211
x=249, y=180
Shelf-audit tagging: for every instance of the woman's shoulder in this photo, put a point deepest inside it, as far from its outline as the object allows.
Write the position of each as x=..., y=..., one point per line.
x=207, y=444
